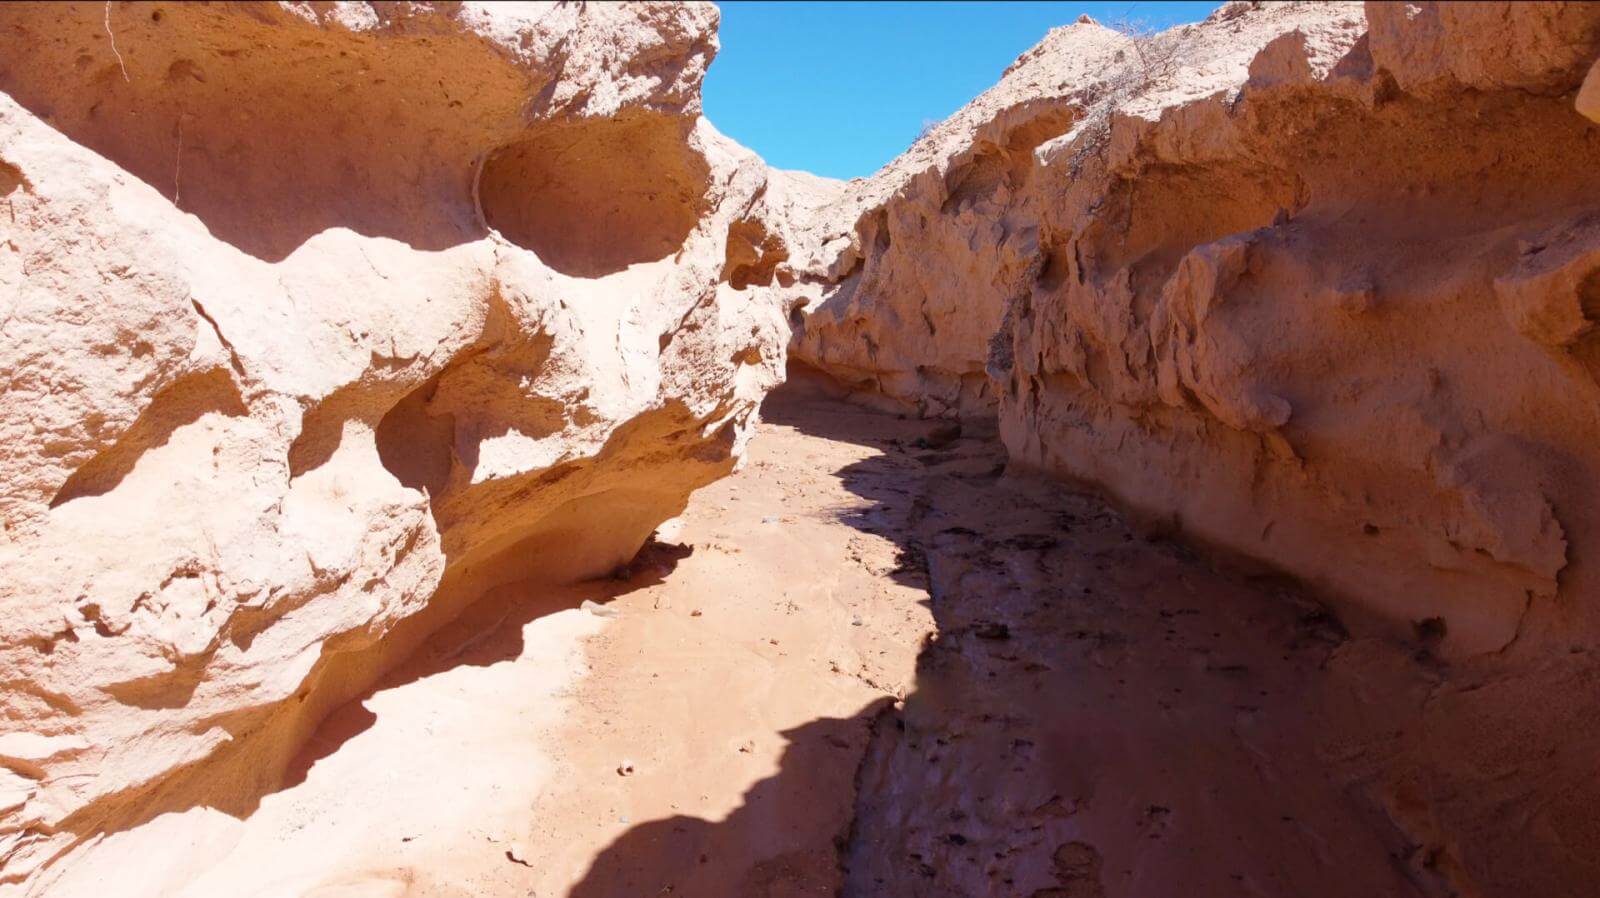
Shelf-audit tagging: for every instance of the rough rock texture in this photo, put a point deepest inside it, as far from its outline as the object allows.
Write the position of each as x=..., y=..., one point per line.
x=318, y=320
x=904, y=276
x=1315, y=285
x=328, y=325
x=1308, y=282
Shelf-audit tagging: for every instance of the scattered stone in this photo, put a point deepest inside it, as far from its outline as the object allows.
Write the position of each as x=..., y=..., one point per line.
x=599, y=610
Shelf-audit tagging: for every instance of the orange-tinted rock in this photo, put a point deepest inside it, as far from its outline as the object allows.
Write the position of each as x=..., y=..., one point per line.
x=1312, y=285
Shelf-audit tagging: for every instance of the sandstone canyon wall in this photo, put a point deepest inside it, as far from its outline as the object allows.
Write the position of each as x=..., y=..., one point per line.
x=322, y=321
x=1312, y=283
x=318, y=321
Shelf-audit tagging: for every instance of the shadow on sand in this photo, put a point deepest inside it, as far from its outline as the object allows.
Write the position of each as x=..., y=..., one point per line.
x=1098, y=712
x=488, y=632
x=760, y=849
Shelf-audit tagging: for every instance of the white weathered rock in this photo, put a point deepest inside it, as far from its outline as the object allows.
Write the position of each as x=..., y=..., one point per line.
x=317, y=322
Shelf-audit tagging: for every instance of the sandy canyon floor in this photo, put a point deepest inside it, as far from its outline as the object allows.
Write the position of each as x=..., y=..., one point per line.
x=873, y=662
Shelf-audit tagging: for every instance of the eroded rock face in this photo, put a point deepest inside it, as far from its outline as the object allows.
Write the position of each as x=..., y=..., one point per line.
x=1316, y=285
x=905, y=275
x=1312, y=283
x=319, y=321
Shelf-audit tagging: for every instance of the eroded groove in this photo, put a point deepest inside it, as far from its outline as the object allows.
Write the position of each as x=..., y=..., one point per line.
x=182, y=403
x=592, y=198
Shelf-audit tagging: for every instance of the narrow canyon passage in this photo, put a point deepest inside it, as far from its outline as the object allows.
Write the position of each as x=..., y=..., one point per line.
x=427, y=468
x=869, y=663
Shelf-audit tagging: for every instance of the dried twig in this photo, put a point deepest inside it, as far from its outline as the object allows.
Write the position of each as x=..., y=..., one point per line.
x=1152, y=60
x=120, y=64
x=177, y=166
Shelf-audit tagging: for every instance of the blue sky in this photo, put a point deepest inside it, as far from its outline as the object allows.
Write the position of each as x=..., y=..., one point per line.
x=839, y=89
